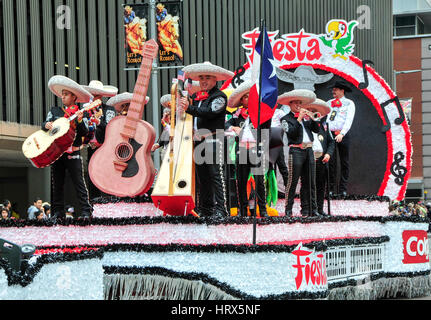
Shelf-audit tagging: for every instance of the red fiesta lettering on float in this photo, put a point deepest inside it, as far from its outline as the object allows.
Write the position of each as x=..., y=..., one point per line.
x=290, y=47
x=314, y=52
x=310, y=267
x=415, y=246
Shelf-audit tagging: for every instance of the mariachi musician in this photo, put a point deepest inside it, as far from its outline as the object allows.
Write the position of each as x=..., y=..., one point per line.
x=70, y=93
x=299, y=128
x=208, y=107
x=100, y=91
x=163, y=141
x=279, y=113
x=323, y=148
x=340, y=122
x=121, y=103
x=97, y=123
x=241, y=124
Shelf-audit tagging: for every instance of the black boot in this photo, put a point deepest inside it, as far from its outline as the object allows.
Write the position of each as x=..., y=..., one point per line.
x=263, y=213
x=244, y=211
x=315, y=214
x=203, y=212
x=288, y=213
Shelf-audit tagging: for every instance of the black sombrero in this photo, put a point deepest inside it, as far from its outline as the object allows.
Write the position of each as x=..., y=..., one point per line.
x=341, y=85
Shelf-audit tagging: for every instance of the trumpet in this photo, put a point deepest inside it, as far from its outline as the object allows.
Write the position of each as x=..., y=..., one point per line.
x=315, y=116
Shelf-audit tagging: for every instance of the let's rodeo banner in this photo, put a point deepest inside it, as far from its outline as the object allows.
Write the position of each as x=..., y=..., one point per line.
x=169, y=33
x=168, y=17
x=135, y=18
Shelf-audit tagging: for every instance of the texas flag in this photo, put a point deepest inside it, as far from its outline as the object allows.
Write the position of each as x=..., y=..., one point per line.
x=269, y=90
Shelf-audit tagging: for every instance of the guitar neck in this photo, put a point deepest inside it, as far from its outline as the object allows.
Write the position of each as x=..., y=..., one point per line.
x=92, y=106
x=137, y=105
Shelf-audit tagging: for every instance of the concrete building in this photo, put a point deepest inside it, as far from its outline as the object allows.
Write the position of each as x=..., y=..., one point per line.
x=34, y=47
x=412, y=79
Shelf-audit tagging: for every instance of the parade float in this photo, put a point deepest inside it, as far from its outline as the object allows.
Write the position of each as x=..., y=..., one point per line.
x=130, y=249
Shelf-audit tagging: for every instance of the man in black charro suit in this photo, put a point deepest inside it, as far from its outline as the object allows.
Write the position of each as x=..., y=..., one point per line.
x=71, y=93
x=299, y=129
x=208, y=107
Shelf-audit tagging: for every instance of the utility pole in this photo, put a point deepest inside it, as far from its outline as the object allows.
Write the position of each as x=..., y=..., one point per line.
x=155, y=82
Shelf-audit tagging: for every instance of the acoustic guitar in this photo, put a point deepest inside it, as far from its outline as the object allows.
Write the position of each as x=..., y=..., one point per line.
x=43, y=148
x=123, y=166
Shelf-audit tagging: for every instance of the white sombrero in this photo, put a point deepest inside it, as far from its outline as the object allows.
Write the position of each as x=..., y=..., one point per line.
x=319, y=106
x=306, y=96
x=59, y=83
x=207, y=68
x=235, y=98
x=165, y=100
x=97, y=88
x=121, y=99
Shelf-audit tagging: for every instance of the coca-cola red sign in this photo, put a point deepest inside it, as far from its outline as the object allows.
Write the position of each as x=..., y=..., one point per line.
x=310, y=268
x=416, y=248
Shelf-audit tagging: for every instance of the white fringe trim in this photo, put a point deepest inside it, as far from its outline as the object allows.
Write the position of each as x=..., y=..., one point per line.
x=155, y=287
x=385, y=288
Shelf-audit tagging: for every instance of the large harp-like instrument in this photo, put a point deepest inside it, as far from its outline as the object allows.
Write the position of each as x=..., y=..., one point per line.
x=174, y=190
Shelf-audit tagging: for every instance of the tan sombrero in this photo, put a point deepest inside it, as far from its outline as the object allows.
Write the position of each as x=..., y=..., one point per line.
x=165, y=100
x=319, y=106
x=235, y=98
x=306, y=96
x=97, y=88
x=120, y=99
x=59, y=83
x=207, y=68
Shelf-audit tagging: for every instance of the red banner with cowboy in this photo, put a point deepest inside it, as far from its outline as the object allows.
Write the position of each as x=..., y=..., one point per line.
x=169, y=32
x=135, y=19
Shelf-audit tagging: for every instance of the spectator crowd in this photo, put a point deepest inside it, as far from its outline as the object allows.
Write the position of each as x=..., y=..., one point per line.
x=401, y=208
x=39, y=210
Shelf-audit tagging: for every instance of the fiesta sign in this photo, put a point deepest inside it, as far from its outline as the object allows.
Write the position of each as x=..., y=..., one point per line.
x=416, y=247
x=310, y=268
x=307, y=47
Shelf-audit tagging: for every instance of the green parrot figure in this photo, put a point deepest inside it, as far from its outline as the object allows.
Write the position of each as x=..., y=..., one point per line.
x=340, y=37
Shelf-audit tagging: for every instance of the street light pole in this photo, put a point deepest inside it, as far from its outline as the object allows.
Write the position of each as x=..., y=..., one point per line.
x=155, y=82
x=396, y=73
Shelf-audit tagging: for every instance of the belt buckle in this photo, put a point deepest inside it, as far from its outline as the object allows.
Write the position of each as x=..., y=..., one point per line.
x=303, y=146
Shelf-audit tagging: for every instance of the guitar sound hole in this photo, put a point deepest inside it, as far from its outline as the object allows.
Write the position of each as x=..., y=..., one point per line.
x=54, y=131
x=124, y=152
x=182, y=184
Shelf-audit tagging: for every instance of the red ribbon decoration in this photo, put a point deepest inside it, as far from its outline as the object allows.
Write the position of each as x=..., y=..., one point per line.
x=202, y=96
x=336, y=103
x=244, y=113
x=70, y=111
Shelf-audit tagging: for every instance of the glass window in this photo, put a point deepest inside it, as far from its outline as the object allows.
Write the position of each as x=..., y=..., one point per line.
x=405, y=31
x=405, y=21
x=403, y=6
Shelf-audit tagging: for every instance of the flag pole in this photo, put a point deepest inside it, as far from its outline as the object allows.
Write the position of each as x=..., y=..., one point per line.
x=259, y=133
